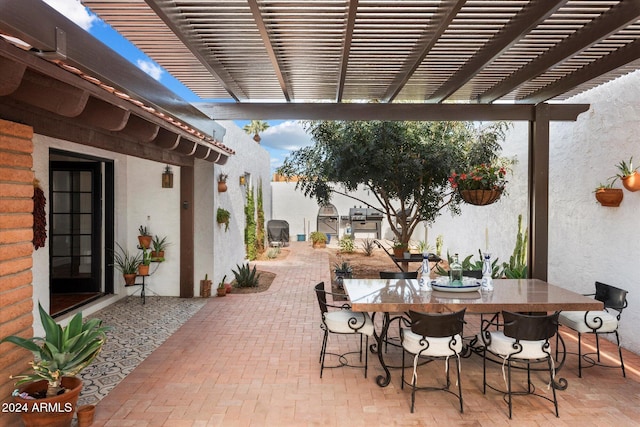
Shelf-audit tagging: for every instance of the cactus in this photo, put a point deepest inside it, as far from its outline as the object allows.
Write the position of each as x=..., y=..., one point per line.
x=517, y=266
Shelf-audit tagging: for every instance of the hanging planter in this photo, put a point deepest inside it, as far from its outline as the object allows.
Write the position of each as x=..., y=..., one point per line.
x=480, y=197
x=222, y=217
x=611, y=197
x=631, y=182
x=222, y=182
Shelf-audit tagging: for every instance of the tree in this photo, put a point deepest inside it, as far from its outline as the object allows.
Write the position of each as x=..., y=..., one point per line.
x=260, y=221
x=255, y=127
x=405, y=165
x=250, y=225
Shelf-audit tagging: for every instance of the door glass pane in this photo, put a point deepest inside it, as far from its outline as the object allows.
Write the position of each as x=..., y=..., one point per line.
x=61, y=224
x=85, y=202
x=61, y=202
x=61, y=181
x=61, y=245
x=85, y=223
x=85, y=181
x=85, y=245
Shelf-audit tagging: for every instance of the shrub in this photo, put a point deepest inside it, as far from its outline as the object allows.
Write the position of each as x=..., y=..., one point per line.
x=273, y=253
x=246, y=277
x=368, y=246
x=347, y=244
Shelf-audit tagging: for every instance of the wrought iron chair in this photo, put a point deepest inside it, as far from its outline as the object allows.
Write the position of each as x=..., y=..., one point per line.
x=598, y=323
x=398, y=274
x=523, y=340
x=433, y=336
x=341, y=320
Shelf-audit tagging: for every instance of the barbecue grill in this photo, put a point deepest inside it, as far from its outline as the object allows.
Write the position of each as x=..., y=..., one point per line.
x=327, y=221
x=365, y=220
x=278, y=232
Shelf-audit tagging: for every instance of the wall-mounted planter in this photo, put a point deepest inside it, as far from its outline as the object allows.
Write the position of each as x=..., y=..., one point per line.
x=222, y=187
x=610, y=197
x=631, y=182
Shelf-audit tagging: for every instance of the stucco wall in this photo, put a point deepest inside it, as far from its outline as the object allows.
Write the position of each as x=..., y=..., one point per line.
x=588, y=242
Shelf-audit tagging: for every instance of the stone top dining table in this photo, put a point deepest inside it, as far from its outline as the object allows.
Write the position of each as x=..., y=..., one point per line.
x=521, y=295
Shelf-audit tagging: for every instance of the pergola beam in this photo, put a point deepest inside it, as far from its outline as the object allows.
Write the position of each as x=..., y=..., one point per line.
x=419, y=112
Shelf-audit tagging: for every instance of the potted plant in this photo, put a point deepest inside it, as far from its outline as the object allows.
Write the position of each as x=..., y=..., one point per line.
x=343, y=270
x=127, y=264
x=222, y=182
x=482, y=185
x=318, y=239
x=159, y=245
x=58, y=358
x=606, y=195
x=205, y=287
x=222, y=217
x=144, y=237
x=399, y=249
x=221, y=290
x=629, y=175
x=143, y=267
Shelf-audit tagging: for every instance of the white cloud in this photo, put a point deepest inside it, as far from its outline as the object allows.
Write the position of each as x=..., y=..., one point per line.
x=287, y=136
x=75, y=11
x=150, y=68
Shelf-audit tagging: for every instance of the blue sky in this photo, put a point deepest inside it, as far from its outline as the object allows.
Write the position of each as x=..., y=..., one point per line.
x=280, y=139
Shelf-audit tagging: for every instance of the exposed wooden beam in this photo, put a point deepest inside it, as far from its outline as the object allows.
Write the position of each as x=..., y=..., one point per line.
x=618, y=17
x=441, y=20
x=51, y=95
x=266, y=40
x=104, y=115
x=424, y=112
x=528, y=18
x=622, y=56
x=346, y=47
x=11, y=76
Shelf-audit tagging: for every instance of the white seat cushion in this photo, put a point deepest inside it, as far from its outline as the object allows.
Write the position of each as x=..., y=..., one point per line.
x=503, y=346
x=438, y=347
x=575, y=321
x=338, y=322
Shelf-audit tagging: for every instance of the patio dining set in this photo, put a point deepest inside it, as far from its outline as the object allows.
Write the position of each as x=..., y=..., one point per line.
x=519, y=321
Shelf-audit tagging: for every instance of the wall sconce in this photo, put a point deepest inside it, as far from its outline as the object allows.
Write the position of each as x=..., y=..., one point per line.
x=167, y=177
x=243, y=179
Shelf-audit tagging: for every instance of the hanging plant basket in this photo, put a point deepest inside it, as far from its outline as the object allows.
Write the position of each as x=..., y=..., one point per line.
x=610, y=197
x=480, y=197
x=631, y=182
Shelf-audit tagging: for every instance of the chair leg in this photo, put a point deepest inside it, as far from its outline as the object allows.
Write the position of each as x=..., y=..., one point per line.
x=323, y=351
x=509, y=387
x=366, y=355
x=402, y=374
x=413, y=390
x=598, y=347
x=579, y=355
x=620, y=354
x=555, y=399
x=459, y=385
x=484, y=372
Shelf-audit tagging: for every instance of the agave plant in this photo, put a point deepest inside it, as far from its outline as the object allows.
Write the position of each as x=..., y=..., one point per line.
x=245, y=276
x=63, y=352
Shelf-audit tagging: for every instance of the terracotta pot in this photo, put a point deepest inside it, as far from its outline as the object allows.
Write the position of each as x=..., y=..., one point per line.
x=632, y=182
x=319, y=245
x=480, y=197
x=129, y=279
x=145, y=241
x=221, y=292
x=222, y=187
x=143, y=270
x=205, y=288
x=609, y=196
x=227, y=288
x=57, y=411
x=85, y=415
x=155, y=255
x=399, y=252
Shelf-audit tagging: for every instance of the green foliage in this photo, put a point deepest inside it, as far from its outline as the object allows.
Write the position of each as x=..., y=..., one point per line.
x=423, y=247
x=342, y=267
x=318, y=237
x=246, y=277
x=625, y=168
x=260, y=237
x=222, y=217
x=143, y=231
x=469, y=264
x=159, y=244
x=368, y=246
x=439, y=243
x=146, y=257
x=405, y=165
x=255, y=127
x=126, y=262
x=250, y=227
x=347, y=245
x=517, y=266
x=272, y=253
x=63, y=351
x=221, y=283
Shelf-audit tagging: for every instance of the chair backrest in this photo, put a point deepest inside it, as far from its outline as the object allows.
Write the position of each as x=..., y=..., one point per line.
x=611, y=296
x=398, y=274
x=476, y=274
x=437, y=324
x=322, y=297
x=530, y=327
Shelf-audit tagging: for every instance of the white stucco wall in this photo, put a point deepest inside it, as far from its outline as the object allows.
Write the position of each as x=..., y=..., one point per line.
x=588, y=242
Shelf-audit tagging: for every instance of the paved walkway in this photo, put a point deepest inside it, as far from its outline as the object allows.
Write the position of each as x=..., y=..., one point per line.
x=252, y=360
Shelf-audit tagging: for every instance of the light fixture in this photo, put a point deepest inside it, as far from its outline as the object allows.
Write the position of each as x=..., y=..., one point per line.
x=167, y=177
x=243, y=179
